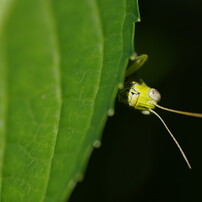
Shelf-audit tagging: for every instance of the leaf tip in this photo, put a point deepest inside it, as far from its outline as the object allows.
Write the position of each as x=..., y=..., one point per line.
x=111, y=112
x=79, y=177
x=120, y=85
x=96, y=143
x=72, y=184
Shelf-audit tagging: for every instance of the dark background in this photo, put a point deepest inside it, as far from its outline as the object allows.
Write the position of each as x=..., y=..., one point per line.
x=138, y=161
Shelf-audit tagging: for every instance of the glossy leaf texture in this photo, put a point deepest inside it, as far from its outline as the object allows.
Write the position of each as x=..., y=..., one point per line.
x=61, y=63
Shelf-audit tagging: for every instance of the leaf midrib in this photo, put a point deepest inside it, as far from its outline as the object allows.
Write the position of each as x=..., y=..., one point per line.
x=59, y=91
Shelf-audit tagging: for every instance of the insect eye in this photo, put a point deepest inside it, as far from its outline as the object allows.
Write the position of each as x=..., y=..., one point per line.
x=154, y=94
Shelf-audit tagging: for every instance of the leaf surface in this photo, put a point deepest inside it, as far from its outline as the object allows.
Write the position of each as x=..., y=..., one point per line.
x=61, y=63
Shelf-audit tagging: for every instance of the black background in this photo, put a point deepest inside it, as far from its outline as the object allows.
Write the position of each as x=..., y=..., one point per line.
x=138, y=161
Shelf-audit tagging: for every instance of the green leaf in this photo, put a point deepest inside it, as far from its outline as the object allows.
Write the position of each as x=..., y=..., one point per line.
x=61, y=63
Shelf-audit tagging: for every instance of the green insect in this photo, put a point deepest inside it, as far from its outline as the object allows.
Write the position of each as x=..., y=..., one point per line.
x=138, y=95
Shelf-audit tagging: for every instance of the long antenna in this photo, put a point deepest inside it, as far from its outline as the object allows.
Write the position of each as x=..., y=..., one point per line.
x=172, y=136
x=180, y=112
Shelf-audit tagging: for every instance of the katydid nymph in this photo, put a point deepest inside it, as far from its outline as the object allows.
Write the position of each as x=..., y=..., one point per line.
x=138, y=95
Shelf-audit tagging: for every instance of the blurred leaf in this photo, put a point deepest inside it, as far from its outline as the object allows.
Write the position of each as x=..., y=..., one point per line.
x=61, y=63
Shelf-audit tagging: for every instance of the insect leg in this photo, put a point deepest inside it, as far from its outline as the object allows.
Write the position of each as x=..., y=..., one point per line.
x=137, y=62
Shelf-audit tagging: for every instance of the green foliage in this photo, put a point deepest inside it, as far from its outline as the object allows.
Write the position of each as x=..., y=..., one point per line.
x=61, y=63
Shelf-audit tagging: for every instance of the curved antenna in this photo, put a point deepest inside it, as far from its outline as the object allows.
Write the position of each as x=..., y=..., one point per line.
x=199, y=115
x=172, y=136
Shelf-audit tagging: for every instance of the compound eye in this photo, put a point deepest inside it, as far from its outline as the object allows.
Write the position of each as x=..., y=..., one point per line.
x=154, y=94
